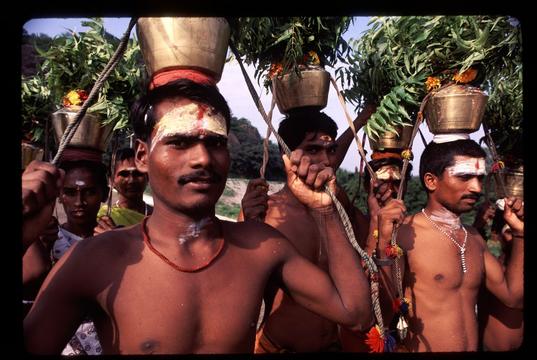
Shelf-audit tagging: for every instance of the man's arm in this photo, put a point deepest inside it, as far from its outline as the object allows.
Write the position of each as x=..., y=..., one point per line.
x=58, y=308
x=508, y=287
x=41, y=184
x=345, y=139
x=342, y=295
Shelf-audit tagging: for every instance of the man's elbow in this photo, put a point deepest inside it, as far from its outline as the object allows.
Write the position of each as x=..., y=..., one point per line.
x=362, y=319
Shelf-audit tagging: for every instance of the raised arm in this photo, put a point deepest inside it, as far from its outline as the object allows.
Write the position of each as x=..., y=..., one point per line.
x=41, y=184
x=345, y=139
x=342, y=295
x=58, y=308
x=508, y=287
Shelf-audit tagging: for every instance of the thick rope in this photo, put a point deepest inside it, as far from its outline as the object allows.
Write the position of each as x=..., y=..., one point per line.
x=351, y=125
x=266, y=142
x=114, y=60
x=343, y=215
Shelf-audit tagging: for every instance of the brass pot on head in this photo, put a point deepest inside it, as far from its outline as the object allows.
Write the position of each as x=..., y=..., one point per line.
x=90, y=133
x=390, y=140
x=184, y=42
x=30, y=152
x=310, y=89
x=513, y=179
x=455, y=109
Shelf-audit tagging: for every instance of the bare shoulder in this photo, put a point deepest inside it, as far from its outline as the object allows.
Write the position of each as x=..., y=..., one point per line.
x=407, y=232
x=475, y=236
x=250, y=234
x=115, y=246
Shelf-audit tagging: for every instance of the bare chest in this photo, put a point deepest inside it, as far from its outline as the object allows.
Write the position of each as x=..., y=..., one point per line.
x=436, y=262
x=154, y=308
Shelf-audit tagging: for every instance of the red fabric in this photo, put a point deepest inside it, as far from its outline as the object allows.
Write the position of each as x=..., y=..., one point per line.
x=164, y=77
x=383, y=155
x=75, y=154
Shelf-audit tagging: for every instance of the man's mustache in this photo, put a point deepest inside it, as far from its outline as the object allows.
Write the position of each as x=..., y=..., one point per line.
x=472, y=196
x=201, y=175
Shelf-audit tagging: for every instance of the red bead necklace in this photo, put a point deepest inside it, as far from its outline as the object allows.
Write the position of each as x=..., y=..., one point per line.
x=147, y=241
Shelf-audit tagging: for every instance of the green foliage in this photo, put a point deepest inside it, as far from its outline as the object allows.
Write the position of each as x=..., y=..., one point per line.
x=74, y=62
x=247, y=155
x=264, y=41
x=504, y=114
x=227, y=210
x=392, y=60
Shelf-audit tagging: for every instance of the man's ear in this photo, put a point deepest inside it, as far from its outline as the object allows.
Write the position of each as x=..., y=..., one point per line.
x=430, y=181
x=141, y=157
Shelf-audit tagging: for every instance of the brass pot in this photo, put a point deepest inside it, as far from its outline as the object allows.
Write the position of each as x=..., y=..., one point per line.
x=89, y=134
x=455, y=109
x=311, y=89
x=514, y=183
x=184, y=42
x=390, y=140
x=30, y=152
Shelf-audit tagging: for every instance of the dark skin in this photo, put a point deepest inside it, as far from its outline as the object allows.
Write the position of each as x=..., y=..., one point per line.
x=443, y=298
x=289, y=325
x=214, y=310
x=130, y=184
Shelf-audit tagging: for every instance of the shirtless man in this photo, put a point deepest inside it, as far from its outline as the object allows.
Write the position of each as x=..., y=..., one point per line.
x=184, y=281
x=446, y=262
x=130, y=184
x=290, y=326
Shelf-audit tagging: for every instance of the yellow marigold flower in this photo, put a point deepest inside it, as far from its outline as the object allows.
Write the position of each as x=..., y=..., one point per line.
x=407, y=154
x=466, y=76
x=432, y=83
x=376, y=234
x=74, y=97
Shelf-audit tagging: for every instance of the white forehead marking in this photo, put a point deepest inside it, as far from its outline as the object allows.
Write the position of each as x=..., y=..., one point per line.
x=187, y=118
x=80, y=183
x=472, y=166
x=388, y=172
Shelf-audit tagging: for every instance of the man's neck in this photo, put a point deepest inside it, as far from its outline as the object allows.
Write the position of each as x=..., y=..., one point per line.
x=443, y=216
x=170, y=226
x=83, y=231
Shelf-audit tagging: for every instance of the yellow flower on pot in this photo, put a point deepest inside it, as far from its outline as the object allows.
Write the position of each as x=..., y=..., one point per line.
x=75, y=97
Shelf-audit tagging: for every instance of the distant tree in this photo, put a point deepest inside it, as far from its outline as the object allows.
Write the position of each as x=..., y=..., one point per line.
x=246, y=151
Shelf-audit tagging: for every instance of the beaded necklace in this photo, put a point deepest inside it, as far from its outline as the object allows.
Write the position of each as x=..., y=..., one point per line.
x=147, y=241
x=462, y=248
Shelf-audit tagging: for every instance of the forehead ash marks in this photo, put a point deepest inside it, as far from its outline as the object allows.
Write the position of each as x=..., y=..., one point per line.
x=189, y=118
x=80, y=183
x=468, y=166
x=388, y=172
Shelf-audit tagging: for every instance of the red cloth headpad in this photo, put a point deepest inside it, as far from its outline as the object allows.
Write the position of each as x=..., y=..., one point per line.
x=164, y=77
x=76, y=154
x=383, y=155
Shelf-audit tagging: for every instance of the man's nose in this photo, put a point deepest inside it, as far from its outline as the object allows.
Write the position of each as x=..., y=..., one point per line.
x=199, y=155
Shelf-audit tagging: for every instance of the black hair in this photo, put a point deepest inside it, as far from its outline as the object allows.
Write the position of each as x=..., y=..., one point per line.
x=300, y=121
x=124, y=154
x=96, y=168
x=378, y=163
x=185, y=88
x=437, y=157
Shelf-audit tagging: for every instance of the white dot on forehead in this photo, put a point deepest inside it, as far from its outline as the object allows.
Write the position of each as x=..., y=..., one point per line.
x=80, y=183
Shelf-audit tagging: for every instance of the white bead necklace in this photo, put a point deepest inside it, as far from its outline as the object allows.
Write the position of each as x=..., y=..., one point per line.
x=462, y=248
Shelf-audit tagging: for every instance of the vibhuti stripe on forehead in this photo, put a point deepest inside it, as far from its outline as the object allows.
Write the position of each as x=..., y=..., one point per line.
x=472, y=166
x=389, y=172
x=185, y=119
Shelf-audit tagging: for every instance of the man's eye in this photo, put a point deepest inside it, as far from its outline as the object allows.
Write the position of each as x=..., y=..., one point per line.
x=332, y=150
x=313, y=151
x=179, y=143
x=69, y=192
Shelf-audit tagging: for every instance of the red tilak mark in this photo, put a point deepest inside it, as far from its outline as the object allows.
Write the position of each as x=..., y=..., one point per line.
x=477, y=164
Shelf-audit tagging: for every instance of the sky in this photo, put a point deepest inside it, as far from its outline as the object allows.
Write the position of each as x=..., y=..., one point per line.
x=239, y=99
